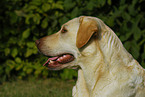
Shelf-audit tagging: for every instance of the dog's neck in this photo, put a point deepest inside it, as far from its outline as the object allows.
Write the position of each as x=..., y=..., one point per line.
x=107, y=58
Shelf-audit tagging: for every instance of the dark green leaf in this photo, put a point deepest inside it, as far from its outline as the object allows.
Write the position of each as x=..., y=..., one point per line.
x=46, y=7
x=18, y=60
x=29, y=52
x=68, y=4
x=37, y=18
x=109, y=2
x=44, y=23
x=137, y=33
x=7, y=51
x=74, y=12
x=30, y=44
x=14, y=52
x=26, y=33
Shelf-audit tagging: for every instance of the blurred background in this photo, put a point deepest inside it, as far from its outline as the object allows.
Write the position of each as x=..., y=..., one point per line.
x=24, y=21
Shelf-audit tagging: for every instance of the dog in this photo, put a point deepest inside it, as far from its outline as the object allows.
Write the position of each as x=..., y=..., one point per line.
x=106, y=69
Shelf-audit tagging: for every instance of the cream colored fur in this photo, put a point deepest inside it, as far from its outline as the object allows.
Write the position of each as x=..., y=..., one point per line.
x=106, y=68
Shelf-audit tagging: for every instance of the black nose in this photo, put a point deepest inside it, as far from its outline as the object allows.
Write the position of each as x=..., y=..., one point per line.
x=37, y=42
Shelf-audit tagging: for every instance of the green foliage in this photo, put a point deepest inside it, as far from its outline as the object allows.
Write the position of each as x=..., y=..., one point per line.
x=22, y=22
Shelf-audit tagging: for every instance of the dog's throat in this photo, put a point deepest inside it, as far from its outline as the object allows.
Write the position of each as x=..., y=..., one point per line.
x=56, y=61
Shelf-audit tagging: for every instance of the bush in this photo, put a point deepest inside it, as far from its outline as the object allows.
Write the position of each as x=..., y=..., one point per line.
x=23, y=22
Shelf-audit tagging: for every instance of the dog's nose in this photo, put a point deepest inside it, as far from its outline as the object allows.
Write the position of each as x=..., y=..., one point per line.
x=37, y=42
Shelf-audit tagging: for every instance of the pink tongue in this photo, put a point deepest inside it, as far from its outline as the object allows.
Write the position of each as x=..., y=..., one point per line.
x=54, y=58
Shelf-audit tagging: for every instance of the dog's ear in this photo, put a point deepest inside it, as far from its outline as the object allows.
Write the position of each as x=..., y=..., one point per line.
x=87, y=28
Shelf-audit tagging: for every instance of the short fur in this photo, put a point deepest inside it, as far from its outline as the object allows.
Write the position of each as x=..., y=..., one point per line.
x=106, y=68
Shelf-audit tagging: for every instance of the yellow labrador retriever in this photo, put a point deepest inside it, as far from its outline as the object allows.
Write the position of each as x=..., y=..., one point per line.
x=106, y=68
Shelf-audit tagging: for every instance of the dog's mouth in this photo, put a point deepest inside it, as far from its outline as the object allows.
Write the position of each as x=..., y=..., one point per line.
x=57, y=61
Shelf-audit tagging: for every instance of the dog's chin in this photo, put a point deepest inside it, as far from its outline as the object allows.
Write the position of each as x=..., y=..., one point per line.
x=60, y=61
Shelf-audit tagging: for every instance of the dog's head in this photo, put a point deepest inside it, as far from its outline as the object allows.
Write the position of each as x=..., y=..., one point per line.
x=72, y=40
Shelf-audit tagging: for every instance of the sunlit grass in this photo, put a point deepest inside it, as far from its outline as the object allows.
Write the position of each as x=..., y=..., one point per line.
x=37, y=88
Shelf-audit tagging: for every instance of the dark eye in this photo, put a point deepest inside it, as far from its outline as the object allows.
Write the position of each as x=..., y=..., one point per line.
x=64, y=30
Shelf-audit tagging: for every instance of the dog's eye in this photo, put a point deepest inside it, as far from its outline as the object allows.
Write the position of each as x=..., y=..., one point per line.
x=64, y=30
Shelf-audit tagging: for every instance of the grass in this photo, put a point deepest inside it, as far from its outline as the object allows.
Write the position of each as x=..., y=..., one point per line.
x=39, y=88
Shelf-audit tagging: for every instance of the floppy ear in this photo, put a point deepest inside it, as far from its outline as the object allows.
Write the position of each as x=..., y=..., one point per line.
x=87, y=28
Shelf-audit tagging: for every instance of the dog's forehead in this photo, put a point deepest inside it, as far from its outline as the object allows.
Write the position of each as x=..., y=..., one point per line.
x=72, y=22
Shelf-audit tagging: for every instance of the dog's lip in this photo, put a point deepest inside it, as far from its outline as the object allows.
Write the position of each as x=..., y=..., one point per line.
x=59, y=60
